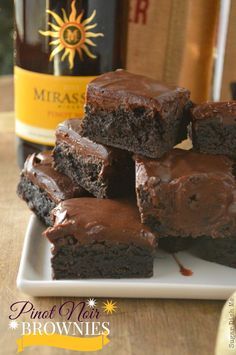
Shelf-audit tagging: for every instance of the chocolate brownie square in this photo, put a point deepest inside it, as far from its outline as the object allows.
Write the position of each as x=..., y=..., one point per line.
x=214, y=128
x=100, y=238
x=221, y=251
x=187, y=194
x=42, y=187
x=175, y=244
x=101, y=170
x=135, y=113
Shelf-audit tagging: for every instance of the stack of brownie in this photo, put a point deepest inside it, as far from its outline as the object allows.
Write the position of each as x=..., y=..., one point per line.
x=213, y=133
x=186, y=198
x=99, y=226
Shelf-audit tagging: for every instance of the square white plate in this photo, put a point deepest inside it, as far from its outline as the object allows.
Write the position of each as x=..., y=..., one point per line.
x=209, y=280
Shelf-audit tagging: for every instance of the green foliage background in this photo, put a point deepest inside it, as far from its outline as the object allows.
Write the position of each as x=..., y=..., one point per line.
x=6, y=36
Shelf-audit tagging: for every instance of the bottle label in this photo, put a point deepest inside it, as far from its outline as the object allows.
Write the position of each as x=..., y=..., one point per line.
x=42, y=101
x=72, y=34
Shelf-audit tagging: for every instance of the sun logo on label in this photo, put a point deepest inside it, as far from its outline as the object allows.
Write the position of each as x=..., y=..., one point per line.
x=73, y=34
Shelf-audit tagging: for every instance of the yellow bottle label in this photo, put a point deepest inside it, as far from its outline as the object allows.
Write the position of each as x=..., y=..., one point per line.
x=42, y=101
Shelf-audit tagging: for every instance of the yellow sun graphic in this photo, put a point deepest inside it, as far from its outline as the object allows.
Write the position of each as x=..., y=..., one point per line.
x=73, y=34
x=109, y=307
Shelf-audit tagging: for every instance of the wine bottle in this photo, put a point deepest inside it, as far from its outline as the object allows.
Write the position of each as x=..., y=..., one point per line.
x=61, y=45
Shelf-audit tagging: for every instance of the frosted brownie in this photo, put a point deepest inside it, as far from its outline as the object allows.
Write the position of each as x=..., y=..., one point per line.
x=101, y=170
x=187, y=194
x=175, y=244
x=100, y=238
x=221, y=251
x=214, y=128
x=135, y=113
x=42, y=188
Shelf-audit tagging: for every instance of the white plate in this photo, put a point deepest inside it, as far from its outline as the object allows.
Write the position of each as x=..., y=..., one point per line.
x=209, y=280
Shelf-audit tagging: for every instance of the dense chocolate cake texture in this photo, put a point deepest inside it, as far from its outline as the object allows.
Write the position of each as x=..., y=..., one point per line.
x=135, y=113
x=214, y=128
x=42, y=187
x=100, y=238
x=101, y=170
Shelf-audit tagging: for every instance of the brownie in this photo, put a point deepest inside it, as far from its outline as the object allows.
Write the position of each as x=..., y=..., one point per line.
x=135, y=113
x=214, y=128
x=221, y=251
x=187, y=194
x=101, y=170
x=100, y=238
x=43, y=188
x=175, y=244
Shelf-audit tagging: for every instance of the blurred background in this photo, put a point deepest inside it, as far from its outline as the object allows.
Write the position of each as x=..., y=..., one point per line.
x=6, y=37
x=190, y=43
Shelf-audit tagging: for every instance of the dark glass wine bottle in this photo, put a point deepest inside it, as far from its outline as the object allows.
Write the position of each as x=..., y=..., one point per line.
x=60, y=45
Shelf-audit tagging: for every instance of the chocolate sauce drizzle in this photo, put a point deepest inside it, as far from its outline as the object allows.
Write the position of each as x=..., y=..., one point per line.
x=183, y=270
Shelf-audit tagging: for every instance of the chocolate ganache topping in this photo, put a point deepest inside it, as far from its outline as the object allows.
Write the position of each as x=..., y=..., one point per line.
x=123, y=89
x=101, y=220
x=224, y=111
x=199, y=190
x=69, y=133
x=38, y=169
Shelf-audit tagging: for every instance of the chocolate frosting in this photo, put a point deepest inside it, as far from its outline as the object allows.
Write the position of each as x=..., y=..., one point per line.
x=179, y=163
x=69, y=133
x=224, y=111
x=197, y=190
x=38, y=169
x=100, y=220
x=123, y=89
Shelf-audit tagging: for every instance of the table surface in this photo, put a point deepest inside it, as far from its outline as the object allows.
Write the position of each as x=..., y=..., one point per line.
x=151, y=326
